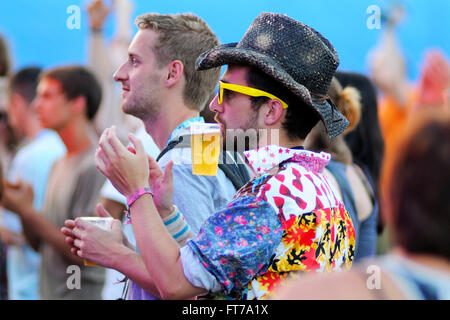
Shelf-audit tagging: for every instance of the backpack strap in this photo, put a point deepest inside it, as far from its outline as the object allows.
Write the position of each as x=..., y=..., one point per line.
x=172, y=144
x=236, y=172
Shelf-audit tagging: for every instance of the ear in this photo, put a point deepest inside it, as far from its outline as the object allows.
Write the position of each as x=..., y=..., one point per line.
x=175, y=71
x=273, y=112
x=78, y=105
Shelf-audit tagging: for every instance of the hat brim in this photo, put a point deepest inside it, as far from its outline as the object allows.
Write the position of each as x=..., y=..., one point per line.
x=228, y=54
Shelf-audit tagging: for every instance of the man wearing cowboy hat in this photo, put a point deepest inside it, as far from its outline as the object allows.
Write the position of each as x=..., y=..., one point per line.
x=286, y=219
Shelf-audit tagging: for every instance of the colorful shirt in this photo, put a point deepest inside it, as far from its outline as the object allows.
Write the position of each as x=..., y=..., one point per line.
x=286, y=219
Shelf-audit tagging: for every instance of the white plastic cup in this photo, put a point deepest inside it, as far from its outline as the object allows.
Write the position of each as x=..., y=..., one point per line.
x=104, y=223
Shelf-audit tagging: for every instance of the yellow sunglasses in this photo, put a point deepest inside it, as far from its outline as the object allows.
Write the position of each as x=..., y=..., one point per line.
x=247, y=91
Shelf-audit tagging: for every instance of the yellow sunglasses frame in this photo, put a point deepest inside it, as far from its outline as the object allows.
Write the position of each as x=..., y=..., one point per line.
x=247, y=91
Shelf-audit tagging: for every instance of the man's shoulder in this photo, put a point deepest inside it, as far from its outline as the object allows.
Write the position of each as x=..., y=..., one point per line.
x=39, y=152
x=180, y=155
x=149, y=144
x=48, y=140
x=295, y=189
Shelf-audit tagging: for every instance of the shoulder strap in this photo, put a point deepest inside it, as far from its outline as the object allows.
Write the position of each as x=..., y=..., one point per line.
x=337, y=169
x=236, y=172
x=172, y=144
x=366, y=180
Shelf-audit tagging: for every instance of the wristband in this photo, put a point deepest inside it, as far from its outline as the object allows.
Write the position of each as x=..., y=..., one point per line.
x=176, y=225
x=132, y=199
x=140, y=192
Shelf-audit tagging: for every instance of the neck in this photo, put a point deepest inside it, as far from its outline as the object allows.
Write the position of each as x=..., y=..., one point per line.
x=278, y=137
x=32, y=127
x=166, y=122
x=340, y=150
x=76, y=136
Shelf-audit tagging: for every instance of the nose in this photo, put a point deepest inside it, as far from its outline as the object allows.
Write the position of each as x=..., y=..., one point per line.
x=120, y=74
x=215, y=106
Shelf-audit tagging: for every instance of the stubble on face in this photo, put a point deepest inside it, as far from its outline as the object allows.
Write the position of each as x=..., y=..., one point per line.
x=143, y=98
x=143, y=105
x=243, y=136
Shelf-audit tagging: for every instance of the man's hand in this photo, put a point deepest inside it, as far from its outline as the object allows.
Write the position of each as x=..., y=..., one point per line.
x=435, y=79
x=82, y=245
x=161, y=184
x=18, y=197
x=102, y=212
x=91, y=242
x=11, y=238
x=126, y=170
x=98, y=13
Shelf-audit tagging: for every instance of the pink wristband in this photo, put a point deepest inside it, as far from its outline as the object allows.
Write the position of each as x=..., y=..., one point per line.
x=133, y=198
x=140, y=192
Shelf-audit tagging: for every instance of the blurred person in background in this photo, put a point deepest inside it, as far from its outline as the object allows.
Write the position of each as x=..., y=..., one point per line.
x=356, y=190
x=366, y=141
x=6, y=150
x=401, y=97
x=416, y=184
x=31, y=164
x=8, y=141
x=3, y=273
x=67, y=100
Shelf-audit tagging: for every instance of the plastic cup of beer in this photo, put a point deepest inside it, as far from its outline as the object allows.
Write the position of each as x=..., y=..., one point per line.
x=205, y=147
x=102, y=222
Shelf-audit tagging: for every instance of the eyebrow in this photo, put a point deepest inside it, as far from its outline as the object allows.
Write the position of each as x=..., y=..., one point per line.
x=132, y=54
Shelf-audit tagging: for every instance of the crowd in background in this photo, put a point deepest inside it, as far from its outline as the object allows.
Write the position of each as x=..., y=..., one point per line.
x=390, y=168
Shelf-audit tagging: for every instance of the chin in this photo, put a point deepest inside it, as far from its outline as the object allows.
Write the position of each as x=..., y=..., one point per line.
x=127, y=109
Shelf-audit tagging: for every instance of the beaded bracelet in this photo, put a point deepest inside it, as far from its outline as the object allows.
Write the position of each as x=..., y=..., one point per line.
x=132, y=199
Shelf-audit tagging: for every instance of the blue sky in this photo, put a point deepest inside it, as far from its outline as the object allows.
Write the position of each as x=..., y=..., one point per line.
x=37, y=32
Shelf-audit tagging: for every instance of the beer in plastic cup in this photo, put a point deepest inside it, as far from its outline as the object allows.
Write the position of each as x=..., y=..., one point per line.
x=205, y=147
x=103, y=222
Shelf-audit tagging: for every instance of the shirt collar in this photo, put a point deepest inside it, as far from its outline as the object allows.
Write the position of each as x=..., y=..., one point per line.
x=263, y=159
x=186, y=124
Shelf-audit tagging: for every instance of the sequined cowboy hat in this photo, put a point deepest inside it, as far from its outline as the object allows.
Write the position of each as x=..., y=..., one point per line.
x=292, y=53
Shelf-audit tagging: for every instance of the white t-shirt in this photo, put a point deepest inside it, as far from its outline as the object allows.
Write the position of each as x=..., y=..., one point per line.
x=112, y=289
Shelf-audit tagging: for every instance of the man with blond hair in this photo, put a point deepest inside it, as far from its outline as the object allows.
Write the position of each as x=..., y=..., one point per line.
x=161, y=87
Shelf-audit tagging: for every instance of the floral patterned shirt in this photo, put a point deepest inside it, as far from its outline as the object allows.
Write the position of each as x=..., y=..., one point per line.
x=287, y=219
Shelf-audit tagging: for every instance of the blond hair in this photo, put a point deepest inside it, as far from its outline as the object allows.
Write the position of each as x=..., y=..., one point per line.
x=184, y=37
x=347, y=101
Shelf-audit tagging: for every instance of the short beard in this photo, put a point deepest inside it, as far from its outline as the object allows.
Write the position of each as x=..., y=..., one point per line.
x=233, y=137
x=143, y=109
